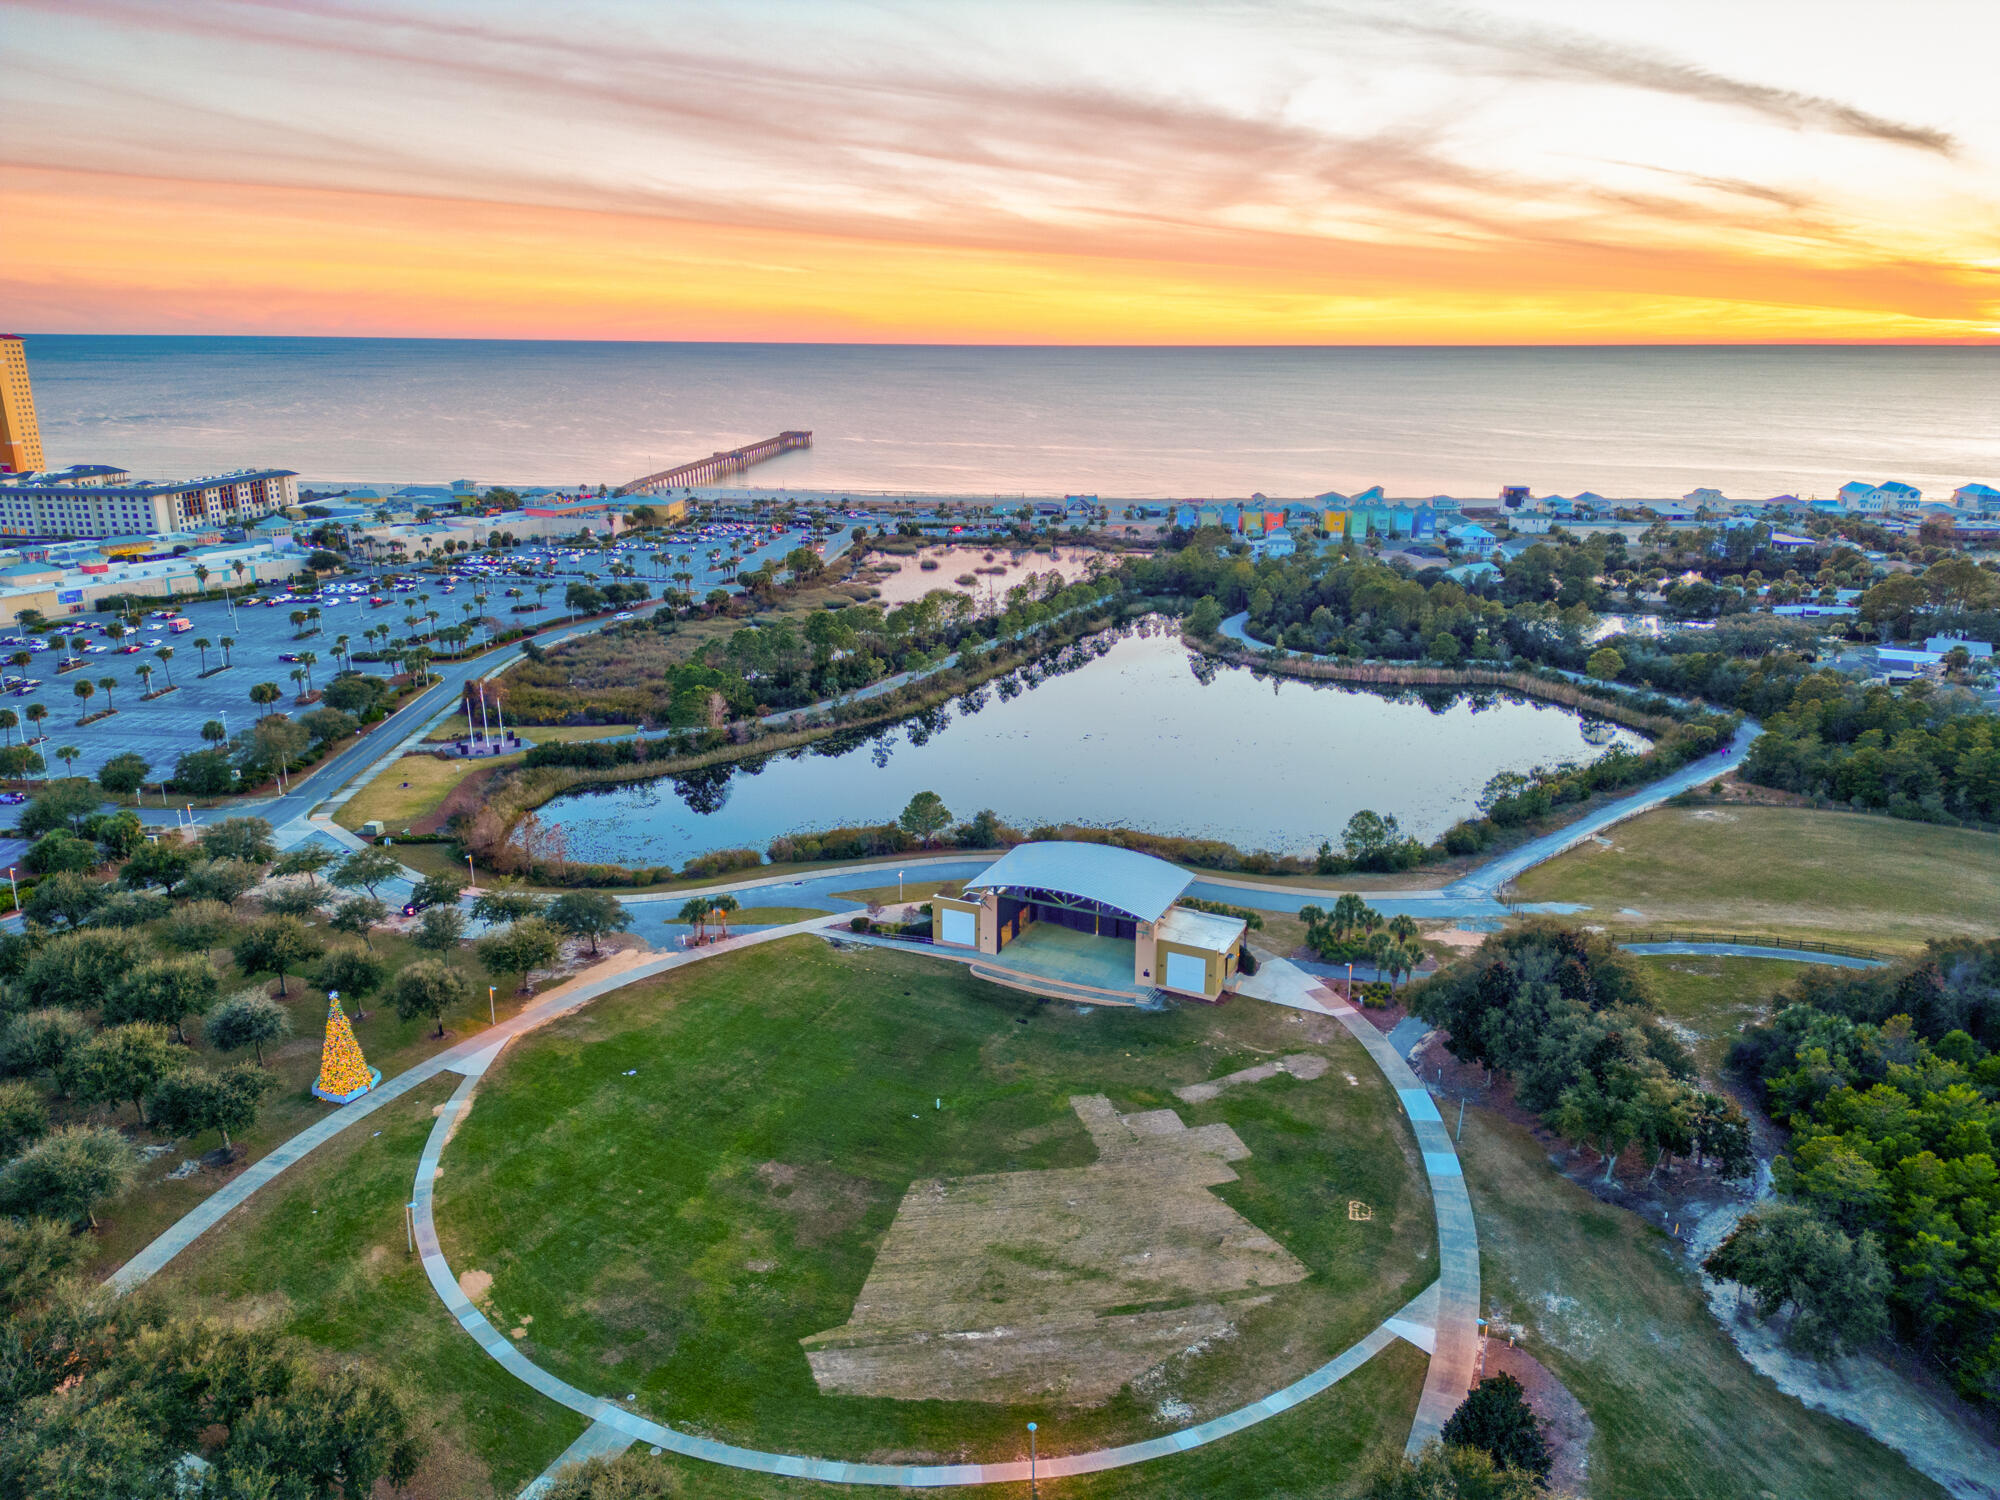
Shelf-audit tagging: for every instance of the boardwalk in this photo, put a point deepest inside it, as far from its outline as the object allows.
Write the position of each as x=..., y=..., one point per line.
x=716, y=465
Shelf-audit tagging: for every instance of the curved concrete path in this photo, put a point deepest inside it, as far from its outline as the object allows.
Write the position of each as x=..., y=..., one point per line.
x=1443, y=1320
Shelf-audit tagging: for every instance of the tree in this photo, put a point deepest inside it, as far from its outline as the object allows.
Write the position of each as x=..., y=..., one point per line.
x=68, y=1172
x=307, y=860
x=160, y=863
x=167, y=990
x=359, y=915
x=694, y=913
x=83, y=690
x=366, y=869
x=66, y=899
x=589, y=914
x=214, y=732
x=440, y=930
x=24, y=1116
x=59, y=850
x=119, y=835
x=1605, y=665
x=629, y=1476
x=35, y=1256
x=1792, y=1258
x=295, y=898
x=201, y=643
x=264, y=694
x=224, y=880
x=120, y=1062
x=925, y=817
x=502, y=905
x=193, y=1100
x=247, y=839
x=204, y=773
x=76, y=969
x=198, y=927
x=68, y=754
x=1495, y=1418
x=1441, y=1473
x=165, y=656
x=529, y=944
x=276, y=945
x=42, y=1040
x=440, y=889
x=250, y=1020
x=429, y=987
x=64, y=804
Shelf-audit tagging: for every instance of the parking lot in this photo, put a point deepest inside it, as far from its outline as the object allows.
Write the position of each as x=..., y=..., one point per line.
x=259, y=625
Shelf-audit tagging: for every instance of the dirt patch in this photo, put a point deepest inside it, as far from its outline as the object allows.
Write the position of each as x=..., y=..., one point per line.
x=1062, y=1284
x=1306, y=1065
x=1565, y=1424
x=476, y=1286
x=821, y=1203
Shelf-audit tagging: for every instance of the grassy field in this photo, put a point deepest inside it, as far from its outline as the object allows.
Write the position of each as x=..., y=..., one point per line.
x=1317, y=1451
x=1713, y=999
x=407, y=789
x=321, y=1254
x=1789, y=872
x=1609, y=1306
x=910, y=890
x=456, y=728
x=682, y=1181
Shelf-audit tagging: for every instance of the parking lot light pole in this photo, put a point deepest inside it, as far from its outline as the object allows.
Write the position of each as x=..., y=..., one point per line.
x=14, y=886
x=492, y=1018
x=1033, y=1491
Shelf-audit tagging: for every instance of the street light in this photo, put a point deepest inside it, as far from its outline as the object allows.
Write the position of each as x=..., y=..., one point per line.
x=491, y=1018
x=472, y=875
x=1032, y=1490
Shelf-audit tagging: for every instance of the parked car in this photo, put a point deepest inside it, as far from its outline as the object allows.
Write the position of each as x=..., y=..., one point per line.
x=12, y=799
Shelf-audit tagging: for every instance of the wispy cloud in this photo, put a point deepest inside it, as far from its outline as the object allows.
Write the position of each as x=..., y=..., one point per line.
x=1522, y=50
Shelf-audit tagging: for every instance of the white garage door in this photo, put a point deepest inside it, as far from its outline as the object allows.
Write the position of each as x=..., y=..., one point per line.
x=960, y=927
x=1188, y=973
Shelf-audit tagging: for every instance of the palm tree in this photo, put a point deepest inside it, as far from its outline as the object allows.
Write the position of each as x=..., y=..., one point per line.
x=694, y=914
x=201, y=576
x=720, y=907
x=225, y=642
x=9, y=722
x=309, y=660
x=299, y=676
x=298, y=623
x=67, y=755
x=108, y=684
x=201, y=643
x=340, y=651
x=166, y=655
x=266, y=693
x=540, y=590
x=36, y=713
x=214, y=733
x=84, y=691
x=145, y=681
x=312, y=615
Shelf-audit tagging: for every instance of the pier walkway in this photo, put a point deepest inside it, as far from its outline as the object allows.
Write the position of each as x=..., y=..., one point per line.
x=707, y=470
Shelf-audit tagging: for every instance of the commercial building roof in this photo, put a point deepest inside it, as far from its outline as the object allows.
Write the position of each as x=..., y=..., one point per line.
x=1125, y=879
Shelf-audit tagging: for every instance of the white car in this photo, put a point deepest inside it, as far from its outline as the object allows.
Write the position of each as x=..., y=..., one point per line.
x=624, y=614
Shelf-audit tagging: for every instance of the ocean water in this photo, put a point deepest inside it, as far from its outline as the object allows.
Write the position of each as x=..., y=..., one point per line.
x=1645, y=422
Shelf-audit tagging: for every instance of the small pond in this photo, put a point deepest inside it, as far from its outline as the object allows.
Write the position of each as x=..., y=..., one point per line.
x=1129, y=730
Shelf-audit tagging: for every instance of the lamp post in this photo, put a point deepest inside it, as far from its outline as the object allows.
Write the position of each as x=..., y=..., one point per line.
x=472, y=875
x=14, y=886
x=491, y=1018
x=1032, y=1490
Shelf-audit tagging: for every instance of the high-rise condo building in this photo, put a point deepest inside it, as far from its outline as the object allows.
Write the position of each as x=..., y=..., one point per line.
x=20, y=433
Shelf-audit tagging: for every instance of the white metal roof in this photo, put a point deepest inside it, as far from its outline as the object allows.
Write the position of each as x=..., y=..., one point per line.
x=1207, y=930
x=1123, y=878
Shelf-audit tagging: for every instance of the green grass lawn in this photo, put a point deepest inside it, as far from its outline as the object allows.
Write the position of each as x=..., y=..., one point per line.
x=1317, y=1451
x=1789, y=872
x=321, y=1254
x=1715, y=998
x=1610, y=1307
x=629, y=1218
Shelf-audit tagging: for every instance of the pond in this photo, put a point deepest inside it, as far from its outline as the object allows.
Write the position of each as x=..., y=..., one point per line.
x=986, y=573
x=1128, y=730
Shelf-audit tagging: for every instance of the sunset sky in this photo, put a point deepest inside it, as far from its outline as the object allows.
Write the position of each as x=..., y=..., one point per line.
x=1078, y=172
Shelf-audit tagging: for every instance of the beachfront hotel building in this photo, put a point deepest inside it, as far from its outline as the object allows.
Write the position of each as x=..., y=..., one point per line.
x=92, y=501
x=20, y=429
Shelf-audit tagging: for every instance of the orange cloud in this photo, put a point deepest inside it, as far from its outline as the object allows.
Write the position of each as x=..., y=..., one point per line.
x=102, y=251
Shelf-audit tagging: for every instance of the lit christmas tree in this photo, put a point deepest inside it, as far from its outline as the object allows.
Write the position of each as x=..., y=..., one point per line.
x=344, y=1074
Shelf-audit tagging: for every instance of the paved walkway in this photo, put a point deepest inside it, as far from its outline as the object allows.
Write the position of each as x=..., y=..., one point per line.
x=1455, y=1357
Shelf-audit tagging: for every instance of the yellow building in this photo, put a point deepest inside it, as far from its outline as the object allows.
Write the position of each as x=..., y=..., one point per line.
x=20, y=431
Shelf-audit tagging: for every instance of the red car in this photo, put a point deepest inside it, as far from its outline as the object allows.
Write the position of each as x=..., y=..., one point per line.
x=128, y=650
